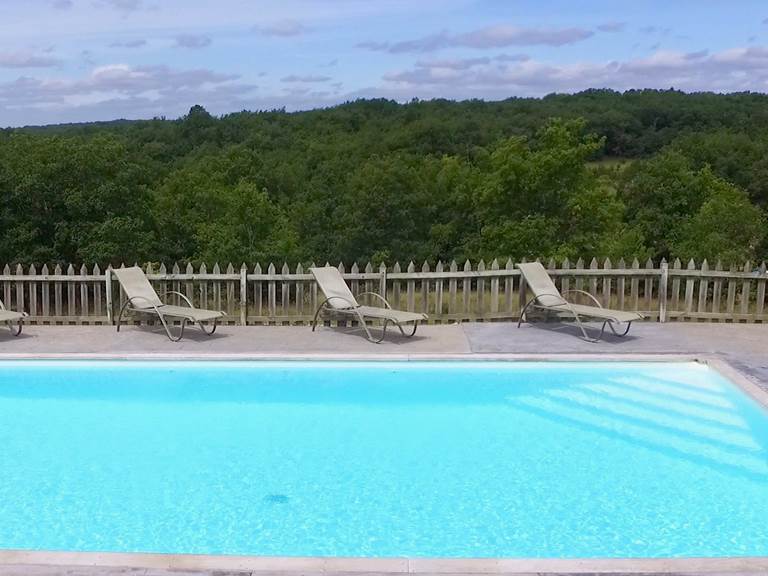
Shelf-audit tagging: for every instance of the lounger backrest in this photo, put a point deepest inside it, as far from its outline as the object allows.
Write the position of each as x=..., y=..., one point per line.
x=540, y=283
x=136, y=285
x=333, y=286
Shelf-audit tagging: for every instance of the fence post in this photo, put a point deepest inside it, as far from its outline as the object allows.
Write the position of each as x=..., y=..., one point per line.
x=663, y=282
x=383, y=280
x=108, y=292
x=243, y=295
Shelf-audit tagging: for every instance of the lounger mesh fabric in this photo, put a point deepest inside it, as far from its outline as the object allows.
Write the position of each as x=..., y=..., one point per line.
x=541, y=284
x=335, y=289
x=194, y=314
x=135, y=283
x=602, y=313
x=389, y=313
x=10, y=316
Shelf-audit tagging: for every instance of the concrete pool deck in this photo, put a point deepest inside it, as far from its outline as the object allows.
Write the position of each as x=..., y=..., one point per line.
x=745, y=346
x=742, y=346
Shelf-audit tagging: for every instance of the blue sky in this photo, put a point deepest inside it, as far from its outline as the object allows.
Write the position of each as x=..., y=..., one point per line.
x=81, y=60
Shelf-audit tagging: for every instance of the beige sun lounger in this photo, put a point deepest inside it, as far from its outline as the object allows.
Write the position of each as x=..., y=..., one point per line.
x=547, y=297
x=13, y=319
x=142, y=298
x=340, y=300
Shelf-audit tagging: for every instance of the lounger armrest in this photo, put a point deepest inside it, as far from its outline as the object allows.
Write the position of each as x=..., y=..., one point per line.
x=182, y=296
x=553, y=295
x=535, y=299
x=587, y=294
x=379, y=296
x=129, y=302
x=324, y=302
x=132, y=298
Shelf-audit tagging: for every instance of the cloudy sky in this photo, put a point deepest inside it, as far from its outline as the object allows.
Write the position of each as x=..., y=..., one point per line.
x=80, y=60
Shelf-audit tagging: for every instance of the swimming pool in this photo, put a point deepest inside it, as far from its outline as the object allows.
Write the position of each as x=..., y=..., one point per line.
x=382, y=459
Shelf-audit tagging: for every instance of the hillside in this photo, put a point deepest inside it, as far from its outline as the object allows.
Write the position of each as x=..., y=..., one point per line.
x=379, y=180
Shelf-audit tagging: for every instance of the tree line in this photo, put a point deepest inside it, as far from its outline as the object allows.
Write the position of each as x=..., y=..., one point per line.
x=595, y=174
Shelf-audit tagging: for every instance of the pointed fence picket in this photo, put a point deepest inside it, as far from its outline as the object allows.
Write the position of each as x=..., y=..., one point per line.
x=448, y=292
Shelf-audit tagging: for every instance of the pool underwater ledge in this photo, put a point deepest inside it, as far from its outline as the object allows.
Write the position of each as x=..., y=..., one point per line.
x=717, y=444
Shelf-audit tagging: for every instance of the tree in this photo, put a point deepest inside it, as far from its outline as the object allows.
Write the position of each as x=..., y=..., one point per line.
x=727, y=227
x=661, y=194
x=524, y=198
x=73, y=199
x=214, y=210
x=375, y=179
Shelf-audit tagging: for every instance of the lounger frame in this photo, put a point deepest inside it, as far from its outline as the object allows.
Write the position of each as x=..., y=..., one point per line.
x=353, y=310
x=15, y=331
x=158, y=311
x=533, y=303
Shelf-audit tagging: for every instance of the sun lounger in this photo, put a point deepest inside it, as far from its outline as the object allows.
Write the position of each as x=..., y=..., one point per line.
x=143, y=299
x=548, y=298
x=340, y=300
x=11, y=318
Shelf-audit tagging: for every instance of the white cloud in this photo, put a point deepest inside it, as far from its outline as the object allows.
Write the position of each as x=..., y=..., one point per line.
x=283, y=28
x=297, y=90
x=512, y=58
x=661, y=31
x=193, y=41
x=310, y=78
x=740, y=69
x=612, y=27
x=154, y=89
x=485, y=38
x=137, y=43
x=123, y=5
x=458, y=64
x=26, y=60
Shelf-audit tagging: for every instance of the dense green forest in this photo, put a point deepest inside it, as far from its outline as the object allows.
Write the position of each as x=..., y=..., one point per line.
x=600, y=173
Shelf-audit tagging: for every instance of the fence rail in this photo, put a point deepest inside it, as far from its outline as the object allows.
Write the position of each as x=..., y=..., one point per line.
x=447, y=292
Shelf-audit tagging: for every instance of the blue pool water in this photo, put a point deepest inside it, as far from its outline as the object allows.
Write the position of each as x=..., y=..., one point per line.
x=460, y=459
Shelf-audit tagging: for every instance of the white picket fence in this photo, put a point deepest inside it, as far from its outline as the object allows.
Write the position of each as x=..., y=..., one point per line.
x=447, y=292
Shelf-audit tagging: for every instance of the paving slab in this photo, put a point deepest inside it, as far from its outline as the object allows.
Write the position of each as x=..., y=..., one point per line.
x=294, y=340
x=745, y=346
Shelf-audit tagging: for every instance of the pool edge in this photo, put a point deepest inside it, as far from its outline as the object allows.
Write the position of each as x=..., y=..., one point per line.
x=22, y=558
x=302, y=565
x=714, y=361
x=739, y=379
